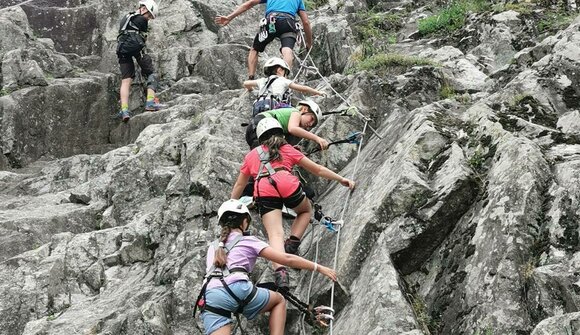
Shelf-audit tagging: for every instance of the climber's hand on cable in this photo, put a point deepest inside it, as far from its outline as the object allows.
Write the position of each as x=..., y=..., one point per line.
x=348, y=183
x=322, y=143
x=330, y=273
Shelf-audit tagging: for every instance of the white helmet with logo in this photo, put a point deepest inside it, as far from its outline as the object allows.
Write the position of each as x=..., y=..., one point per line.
x=235, y=206
x=273, y=62
x=151, y=6
x=266, y=124
x=314, y=108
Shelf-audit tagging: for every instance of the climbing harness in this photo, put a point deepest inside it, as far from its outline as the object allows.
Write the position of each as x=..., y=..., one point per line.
x=221, y=274
x=266, y=100
x=130, y=39
x=268, y=173
x=318, y=316
x=268, y=26
x=126, y=23
x=354, y=137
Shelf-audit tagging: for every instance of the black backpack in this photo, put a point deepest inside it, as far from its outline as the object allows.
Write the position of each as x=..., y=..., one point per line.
x=130, y=39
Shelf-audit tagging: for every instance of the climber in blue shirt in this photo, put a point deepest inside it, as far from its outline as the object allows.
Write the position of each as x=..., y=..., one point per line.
x=279, y=22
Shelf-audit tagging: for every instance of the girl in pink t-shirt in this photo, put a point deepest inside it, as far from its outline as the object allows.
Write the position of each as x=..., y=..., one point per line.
x=272, y=191
x=234, y=217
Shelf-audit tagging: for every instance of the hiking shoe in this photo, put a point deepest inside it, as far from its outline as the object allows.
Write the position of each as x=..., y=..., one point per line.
x=124, y=115
x=291, y=245
x=281, y=278
x=153, y=105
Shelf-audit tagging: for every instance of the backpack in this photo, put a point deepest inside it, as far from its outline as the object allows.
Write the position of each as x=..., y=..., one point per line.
x=130, y=39
x=267, y=100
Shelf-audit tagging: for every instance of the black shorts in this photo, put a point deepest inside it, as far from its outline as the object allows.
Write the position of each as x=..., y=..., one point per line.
x=284, y=25
x=127, y=65
x=268, y=204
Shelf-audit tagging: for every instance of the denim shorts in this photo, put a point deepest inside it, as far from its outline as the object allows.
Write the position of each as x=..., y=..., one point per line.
x=220, y=298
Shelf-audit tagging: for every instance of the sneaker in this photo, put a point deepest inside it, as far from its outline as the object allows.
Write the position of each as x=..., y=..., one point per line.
x=291, y=245
x=288, y=212
x=281, y=278
x=124, y=115
x=153, y=105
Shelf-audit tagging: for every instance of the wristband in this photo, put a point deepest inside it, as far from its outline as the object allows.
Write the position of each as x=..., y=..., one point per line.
x=315, y=267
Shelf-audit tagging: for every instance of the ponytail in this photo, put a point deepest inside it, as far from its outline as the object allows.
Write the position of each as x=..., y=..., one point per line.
x=274, y=143
x=220, y=257
x=228, y=221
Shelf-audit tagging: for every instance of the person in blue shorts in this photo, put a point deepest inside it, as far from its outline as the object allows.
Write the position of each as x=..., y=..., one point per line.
x=279, y=22
x=230, y=289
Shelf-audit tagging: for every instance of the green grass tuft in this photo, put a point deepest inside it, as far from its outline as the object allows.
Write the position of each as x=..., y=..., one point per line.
x=447, y=91
x=382, y=62
x=376, y=30
x=451, y=18
x=556, y=21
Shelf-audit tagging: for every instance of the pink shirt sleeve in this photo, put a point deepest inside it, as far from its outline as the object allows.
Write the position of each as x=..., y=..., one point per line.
x=293, y=155
x=247, y=165
x=257, y=244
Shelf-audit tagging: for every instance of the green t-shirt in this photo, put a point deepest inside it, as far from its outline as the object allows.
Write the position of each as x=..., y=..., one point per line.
x=282, y=115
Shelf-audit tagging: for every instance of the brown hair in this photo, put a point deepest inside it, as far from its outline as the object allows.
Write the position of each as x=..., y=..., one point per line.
x=274, y=143
x=220, y=257
x=228, y=221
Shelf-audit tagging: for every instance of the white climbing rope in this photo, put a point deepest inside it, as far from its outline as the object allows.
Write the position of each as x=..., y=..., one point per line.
x=303, y=65
x=339, y=228
x=346, y=201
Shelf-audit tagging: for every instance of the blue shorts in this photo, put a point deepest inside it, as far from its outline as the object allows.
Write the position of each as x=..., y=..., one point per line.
x=220, y=298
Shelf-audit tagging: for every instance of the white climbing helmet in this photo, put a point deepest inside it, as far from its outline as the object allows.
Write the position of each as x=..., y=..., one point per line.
x=151, y=6
x=235, y=206
x=314, y=108
x=275, y=61
x=267, y=123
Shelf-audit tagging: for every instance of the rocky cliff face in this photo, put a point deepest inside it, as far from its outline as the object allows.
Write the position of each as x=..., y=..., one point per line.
x=465, y=219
